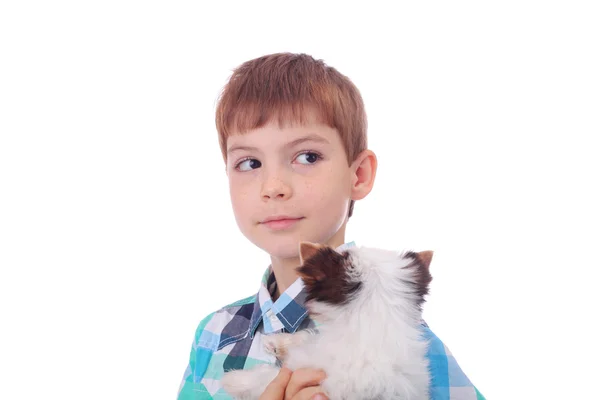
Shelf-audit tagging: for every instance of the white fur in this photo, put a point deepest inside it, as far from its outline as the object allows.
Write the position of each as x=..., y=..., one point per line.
x=370, y=347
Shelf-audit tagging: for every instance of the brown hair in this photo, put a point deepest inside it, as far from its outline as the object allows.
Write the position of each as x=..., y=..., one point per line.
x=285, y=87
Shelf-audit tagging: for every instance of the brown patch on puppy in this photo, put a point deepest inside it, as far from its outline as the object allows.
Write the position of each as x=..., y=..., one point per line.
x=324, y=274
x=421, y=263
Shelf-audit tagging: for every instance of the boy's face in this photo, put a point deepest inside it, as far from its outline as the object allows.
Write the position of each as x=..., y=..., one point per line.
x=289, y=185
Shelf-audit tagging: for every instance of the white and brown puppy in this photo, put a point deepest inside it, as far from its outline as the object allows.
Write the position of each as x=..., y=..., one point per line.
x=369, y=343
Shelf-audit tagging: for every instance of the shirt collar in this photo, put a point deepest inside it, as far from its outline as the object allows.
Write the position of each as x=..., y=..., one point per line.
x=288, y=311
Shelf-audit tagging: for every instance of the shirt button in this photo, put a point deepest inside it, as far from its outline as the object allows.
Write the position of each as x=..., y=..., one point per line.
x=272, y=317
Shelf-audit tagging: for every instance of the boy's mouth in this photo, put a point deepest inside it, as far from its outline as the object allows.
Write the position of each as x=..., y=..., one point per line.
x=280, y=222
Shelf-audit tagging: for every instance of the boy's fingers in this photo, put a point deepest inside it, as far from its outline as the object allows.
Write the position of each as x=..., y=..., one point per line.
x=310, y=393
x=276, y=389
x=303, y=378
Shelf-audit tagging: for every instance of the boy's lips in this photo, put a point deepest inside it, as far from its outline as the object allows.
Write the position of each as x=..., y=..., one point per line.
x=280, y=222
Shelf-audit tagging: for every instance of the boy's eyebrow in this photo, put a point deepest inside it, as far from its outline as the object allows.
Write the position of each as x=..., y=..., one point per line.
x=309, y=138
x=235, y=148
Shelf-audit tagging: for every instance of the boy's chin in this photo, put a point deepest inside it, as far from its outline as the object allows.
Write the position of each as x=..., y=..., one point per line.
x=287, y=252
x=282, y=250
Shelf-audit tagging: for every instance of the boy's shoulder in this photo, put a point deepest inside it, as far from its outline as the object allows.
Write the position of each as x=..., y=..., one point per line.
x=225, y=325
x=242, y=302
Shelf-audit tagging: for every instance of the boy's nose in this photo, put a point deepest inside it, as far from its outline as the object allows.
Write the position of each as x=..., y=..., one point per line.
x=275, y=188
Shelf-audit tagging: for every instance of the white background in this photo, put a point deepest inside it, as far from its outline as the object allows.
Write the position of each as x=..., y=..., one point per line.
x=116, y=233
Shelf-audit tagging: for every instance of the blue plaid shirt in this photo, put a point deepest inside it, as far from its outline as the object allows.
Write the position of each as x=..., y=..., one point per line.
x=231, y=338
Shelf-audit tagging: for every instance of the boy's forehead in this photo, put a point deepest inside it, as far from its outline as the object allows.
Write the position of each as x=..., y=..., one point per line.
x=284, y=117
x=289, y=133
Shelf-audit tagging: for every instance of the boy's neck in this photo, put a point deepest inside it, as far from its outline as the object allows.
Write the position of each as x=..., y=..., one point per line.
x=285, y=273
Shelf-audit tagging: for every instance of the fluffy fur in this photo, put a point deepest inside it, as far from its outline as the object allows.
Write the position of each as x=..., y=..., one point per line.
x=368, y=302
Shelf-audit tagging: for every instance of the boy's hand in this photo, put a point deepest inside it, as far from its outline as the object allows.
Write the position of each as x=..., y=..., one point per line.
x=302, y=384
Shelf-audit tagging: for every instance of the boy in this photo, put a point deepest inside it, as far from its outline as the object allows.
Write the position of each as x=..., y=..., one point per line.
x=292, y=131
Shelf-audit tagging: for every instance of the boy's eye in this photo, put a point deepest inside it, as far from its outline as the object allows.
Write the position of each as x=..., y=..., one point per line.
x=248, y=164
x=308, y=158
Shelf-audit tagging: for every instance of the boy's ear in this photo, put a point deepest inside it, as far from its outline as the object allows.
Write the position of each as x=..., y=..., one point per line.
x=364, y=169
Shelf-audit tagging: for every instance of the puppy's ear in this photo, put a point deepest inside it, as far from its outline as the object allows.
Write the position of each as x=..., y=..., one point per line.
x=308, y=249
x=312, y=268
x=424, y=258
x=422, y=276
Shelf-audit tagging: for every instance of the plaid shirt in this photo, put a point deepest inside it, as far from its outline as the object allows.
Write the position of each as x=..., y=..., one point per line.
x=231, y=338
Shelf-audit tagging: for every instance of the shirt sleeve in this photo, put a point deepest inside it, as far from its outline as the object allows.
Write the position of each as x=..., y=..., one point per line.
x=191, y=387
x=448, y=381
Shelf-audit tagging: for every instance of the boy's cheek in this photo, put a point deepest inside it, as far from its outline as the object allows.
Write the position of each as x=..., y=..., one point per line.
x=239, y=188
